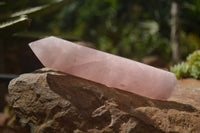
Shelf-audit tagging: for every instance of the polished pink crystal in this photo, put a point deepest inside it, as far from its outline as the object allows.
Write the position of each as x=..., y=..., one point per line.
x=110, y=70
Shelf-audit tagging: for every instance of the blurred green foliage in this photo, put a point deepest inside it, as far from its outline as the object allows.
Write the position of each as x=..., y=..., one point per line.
x=190, y=68
x=124, y=28
x=133, y=29
x=130, y=28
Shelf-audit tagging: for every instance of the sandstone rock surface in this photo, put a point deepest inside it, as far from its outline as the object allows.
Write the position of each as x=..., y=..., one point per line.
x=188, y=92
x=49, y=101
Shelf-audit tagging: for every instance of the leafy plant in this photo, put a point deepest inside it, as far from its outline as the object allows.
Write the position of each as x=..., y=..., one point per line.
x=190, y=68
x=13, y=19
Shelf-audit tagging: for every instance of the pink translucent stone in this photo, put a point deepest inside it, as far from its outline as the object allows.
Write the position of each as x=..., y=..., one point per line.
x=110, y=70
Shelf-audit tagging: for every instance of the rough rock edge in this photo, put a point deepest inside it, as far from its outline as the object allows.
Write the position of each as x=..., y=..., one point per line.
x=52, y=101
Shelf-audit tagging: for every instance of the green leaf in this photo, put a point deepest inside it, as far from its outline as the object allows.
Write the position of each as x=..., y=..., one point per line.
x=13, y=26
x=28, y=11
x=41, y=10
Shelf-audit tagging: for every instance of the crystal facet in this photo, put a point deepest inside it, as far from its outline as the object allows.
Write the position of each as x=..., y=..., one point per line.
x=110, y=70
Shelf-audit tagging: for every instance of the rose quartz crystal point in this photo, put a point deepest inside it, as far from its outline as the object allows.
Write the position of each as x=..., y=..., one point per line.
x=110, y=70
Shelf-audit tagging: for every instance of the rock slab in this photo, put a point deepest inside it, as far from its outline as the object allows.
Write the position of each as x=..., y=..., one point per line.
x=48, y=101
